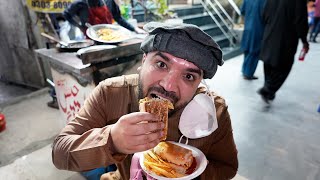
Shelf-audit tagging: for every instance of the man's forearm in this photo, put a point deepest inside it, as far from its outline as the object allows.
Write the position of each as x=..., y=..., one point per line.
x=90, y=150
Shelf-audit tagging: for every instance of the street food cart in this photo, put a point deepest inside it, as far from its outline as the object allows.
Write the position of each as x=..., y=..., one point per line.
x=75, y=75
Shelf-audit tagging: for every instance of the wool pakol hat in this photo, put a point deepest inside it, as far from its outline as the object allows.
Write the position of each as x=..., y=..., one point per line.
x=185, y=41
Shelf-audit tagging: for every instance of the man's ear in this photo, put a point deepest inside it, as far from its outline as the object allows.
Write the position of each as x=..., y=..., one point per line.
x=142, y=61
x=144, y=57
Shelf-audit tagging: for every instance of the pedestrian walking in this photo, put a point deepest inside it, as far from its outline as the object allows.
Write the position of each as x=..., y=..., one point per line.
x=316, y=22
x=286, y=22
x=252, y=36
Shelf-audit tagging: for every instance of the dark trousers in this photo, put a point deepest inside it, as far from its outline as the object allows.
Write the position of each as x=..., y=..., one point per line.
x=315, y=29
x=274, y=78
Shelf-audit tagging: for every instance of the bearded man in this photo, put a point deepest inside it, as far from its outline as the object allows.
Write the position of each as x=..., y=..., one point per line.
x=108, y=129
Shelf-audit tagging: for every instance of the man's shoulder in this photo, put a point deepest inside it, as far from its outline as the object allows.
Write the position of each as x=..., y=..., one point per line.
x=219, y=101
x=121, y=81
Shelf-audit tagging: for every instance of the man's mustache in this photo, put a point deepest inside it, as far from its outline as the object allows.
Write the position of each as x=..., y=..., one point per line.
x=162, y=91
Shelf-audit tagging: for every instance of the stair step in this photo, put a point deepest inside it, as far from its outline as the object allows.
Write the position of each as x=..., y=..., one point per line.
x=229, y=52
x=209, y=26
x=187, y=10
x=198, y=19
x=213, y=29
x=220, y=38
x=222, y=41
x=193, y=16
x=177, y=1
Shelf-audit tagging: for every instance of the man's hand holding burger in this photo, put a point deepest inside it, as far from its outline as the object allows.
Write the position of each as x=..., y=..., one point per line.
x=136, y=132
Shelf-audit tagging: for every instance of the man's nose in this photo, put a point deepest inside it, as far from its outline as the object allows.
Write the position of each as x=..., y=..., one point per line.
x=170, y=82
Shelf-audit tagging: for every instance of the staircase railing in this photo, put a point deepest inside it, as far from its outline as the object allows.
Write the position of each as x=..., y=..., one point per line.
x=223, y=19
x=235, y=7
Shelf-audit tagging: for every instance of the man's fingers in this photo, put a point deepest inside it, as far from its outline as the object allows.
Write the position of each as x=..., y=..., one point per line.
x=140, y=117
x=144, y=147
x=145, y=128
x=135, y=132
x=145, y=139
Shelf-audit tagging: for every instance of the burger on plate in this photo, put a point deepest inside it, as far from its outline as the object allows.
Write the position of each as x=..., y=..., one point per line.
x=170, y=160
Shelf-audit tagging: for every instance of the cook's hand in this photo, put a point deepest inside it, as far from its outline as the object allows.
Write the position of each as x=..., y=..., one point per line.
x=132, y=134
x=139, y=31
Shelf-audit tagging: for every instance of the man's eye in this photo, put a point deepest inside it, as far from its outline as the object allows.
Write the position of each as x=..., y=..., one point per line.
x=161, y=64
x=189, y=77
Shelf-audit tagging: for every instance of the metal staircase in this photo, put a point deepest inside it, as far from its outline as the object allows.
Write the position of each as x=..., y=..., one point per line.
x=220, y=16
x=213, y=19
x=214, y=22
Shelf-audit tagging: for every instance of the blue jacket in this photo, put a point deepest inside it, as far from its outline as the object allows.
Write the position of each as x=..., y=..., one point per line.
x=252, y=10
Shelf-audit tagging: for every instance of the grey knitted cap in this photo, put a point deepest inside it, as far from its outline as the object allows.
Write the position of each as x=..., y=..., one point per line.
x=185, y=41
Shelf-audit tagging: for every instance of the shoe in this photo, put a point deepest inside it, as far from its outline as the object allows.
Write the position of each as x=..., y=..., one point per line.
x=250, y=78
x=53, y=104
x=314, y=41
x=266, y=97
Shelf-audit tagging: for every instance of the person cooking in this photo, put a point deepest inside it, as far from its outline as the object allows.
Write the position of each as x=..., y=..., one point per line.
x=108, y=129
x=96, y=12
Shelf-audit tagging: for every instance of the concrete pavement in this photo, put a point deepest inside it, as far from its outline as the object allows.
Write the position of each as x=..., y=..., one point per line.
x=279, y=141
x=25, y=151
